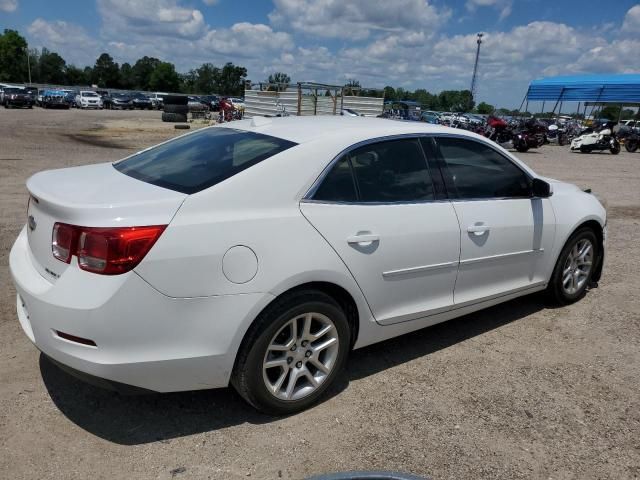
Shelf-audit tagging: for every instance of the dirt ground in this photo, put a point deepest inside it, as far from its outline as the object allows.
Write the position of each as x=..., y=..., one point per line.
x=517, y=391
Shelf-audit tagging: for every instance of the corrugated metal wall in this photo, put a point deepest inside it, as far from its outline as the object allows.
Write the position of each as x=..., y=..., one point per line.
x=368, y=106
x=259, y=103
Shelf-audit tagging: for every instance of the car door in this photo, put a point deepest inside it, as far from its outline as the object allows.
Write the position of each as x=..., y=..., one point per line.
x=506, y=235
x=377, y=208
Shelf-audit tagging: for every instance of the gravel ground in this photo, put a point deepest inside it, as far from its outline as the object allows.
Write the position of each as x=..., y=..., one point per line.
x=517, y=391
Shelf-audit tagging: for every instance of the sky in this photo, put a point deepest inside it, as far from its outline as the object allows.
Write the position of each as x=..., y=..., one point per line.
x=404, y=43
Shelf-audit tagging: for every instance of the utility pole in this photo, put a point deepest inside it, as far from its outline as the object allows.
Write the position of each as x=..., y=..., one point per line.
x=28, y=64
x=475, y=68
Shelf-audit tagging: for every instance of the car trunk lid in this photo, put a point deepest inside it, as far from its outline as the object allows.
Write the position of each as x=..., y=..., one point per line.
x=90, y=196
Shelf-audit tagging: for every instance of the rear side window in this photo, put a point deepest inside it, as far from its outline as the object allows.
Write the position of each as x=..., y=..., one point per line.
x=197, y=161
x=384, y=172
x=478, y=171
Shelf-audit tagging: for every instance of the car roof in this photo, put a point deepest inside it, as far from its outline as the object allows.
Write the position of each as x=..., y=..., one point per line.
x=305, y=129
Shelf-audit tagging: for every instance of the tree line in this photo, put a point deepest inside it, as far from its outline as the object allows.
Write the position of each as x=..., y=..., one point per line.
x=20, y=64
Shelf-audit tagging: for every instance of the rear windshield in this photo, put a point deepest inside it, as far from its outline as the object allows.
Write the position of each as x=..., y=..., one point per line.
x=197, y=161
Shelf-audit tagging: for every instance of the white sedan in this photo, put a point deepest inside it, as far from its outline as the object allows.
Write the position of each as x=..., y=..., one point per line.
x=261, y=254
x=88, y=99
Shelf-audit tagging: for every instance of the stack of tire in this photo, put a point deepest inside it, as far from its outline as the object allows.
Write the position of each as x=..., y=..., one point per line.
x=175, y=108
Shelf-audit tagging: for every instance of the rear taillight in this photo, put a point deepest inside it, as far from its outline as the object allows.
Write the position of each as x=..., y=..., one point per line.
x=108, y=251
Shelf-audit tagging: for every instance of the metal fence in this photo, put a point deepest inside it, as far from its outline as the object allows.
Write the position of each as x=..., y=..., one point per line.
x=307, y=99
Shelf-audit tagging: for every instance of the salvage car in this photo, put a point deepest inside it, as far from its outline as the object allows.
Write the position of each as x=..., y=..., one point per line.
x=181, y=267
x=52, y=98
x=138, y=100
x=15, y=97
x=117, y=101
x=88, y=99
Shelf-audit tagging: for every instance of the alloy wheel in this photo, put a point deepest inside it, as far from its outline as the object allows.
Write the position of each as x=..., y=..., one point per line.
x=300, y=356
x=577, y=266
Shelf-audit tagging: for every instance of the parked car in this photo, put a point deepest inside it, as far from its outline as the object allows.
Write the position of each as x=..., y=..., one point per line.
x=212, y=101
x=118, y=101
x=160, y=272
x=52, y=98
x=196, y=104
x=157, y=99
x=430, y=117
x=140, y=101
x=88, y=99
x=12, y=97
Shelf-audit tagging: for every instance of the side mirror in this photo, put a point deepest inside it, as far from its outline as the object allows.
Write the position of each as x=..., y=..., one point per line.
x=541, y=189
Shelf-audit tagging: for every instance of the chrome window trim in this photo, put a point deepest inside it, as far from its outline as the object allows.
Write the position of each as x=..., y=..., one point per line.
x=308, y=197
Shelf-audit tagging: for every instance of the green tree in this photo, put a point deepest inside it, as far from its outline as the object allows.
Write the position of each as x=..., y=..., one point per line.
x=75, y=76
x=389, y=93
x=127, y=79
x=51, y=68
x=281, y=81
x=13, y=57
x=231, y=81
x=165, y=78
x=142, y=71
x=485, y=108
x=106, y=72
x=352, y=87
x=206, y=78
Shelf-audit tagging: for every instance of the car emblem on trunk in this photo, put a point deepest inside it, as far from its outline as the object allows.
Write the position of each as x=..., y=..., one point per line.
x=32, y=223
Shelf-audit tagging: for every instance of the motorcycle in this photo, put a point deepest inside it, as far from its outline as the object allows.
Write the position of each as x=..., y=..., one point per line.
x=520, y=136
x=632, y=142
x=556, y=134
x=599, y=138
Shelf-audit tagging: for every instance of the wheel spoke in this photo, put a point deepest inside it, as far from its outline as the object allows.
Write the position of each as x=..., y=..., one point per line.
x=280, y=362
x=276, y=386
x=326, y=344
x=311, y=378
x=293, y=380
x=319, y=365
x=322, y=332
x=276, y=347
x=306, y=329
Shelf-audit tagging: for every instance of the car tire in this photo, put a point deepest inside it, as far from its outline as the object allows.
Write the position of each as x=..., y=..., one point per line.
x=175, y=100
x=275, y=390
x=174, y=117
x=584, y=149
x=183, y=109
x=567, y=285
x=631, y=145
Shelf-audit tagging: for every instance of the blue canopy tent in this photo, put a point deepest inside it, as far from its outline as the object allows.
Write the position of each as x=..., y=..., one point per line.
x=623, y=89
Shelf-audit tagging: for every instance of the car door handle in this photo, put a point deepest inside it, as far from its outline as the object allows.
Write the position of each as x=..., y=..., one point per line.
x=478, y=229
x=364, y=238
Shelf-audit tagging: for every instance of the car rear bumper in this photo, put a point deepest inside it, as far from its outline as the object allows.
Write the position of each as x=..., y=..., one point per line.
x=142, y=338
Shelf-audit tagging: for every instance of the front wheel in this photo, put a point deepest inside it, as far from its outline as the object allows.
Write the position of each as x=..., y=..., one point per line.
x=292, y=353
x=615, y=147
x=574, y=268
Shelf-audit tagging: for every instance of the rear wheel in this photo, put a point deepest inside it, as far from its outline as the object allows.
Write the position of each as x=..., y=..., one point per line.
x=574, y=268
x=631, y=145
x=293, y=353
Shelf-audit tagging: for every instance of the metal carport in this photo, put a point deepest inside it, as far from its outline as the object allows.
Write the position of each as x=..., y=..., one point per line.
x=622, y=89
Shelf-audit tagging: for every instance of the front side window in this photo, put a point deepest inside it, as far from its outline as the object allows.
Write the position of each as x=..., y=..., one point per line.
x=385, y=172
x=199, y=160
x=478, y=171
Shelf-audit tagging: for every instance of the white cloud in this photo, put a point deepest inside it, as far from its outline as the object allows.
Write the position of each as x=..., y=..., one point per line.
x=356, y=19
x=505, y=6
x=8, y=5
x=69, y=40
x=245, y=40
x=150, y=17
x=631, y=22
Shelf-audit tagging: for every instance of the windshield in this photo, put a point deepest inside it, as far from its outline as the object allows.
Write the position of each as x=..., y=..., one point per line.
x=199, y=160
x=13, y=90
x=89, y=94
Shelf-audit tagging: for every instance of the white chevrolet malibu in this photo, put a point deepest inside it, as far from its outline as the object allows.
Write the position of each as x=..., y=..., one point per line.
x=260, y=253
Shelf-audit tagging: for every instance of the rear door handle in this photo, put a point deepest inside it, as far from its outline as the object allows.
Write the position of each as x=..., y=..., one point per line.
x=362, y=239
x=478, y=229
